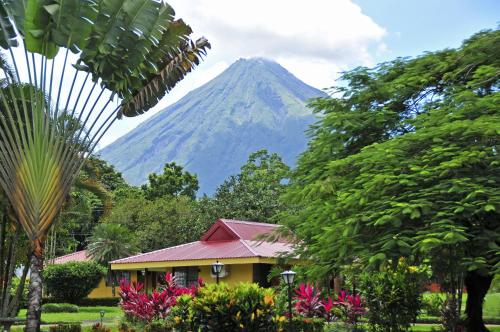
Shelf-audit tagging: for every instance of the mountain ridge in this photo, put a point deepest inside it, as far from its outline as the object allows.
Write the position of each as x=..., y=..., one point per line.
x=254, y=104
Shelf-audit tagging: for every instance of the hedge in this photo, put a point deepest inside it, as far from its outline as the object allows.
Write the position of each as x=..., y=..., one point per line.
x=72, y=281
x=59, y=307
x=88, y=302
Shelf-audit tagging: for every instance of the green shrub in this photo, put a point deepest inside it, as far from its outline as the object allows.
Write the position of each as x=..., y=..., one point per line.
x=98, y=327
x=433, y=304
x=59, y=307
x=342, y=327
x=125, y=327
x=180, y=317
x=99, y=302
x=89, y=302
x=157, y=327
x=303, y=324
x=245, y=307
x=72, y=281
x=75, y=327
x=393, y=297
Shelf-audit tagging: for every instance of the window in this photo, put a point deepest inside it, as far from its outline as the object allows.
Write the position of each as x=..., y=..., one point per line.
x=114, y=277
x=186, y=276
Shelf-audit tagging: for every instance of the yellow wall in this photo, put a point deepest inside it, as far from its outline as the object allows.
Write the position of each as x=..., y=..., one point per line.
x=103, y=291
x=237, y=273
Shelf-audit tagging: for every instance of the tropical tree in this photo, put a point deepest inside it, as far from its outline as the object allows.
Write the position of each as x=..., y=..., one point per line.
x=174, y=181
x=110, y=242
x=405, y=163
x=253, y=194
x=164, y=222
x=130, y=51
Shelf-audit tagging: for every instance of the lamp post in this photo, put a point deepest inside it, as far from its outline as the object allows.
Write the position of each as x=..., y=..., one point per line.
x=217, y=269
x=102, y=313
x=289, y=277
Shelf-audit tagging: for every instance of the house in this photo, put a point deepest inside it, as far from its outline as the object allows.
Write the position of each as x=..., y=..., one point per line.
x=234, y=243
x=103, y=290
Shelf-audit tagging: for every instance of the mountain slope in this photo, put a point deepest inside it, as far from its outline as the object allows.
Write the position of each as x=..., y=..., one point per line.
x=254, y=104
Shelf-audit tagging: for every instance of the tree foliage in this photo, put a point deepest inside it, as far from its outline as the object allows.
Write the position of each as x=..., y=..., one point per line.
x=110, y=242
x=405, y=162
x=254, y=193
x=174, y=181
x=163, y=222
x=70, y=282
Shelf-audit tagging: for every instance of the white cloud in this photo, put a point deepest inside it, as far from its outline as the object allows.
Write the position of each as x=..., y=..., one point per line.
x=313, y=39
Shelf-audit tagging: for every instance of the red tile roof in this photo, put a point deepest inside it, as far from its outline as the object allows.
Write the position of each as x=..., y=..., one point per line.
x=79, y=256
x=225, y=239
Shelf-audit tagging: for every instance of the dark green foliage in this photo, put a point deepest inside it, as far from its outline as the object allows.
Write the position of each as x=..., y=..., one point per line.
x=72, y=281
x=404, y=162
x=433, y=304
x=302, y=324
x=174, y=181
x=161, y=223
x=59, y=307
x=90, y=302
x=75, y=327
x=393, y=297
x=254, y=193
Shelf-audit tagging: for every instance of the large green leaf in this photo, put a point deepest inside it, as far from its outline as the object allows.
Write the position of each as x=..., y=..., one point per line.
x=37, y=28
x=71, y=22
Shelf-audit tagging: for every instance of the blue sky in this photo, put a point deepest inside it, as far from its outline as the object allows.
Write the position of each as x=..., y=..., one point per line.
x=428, y=25
x=317, y=39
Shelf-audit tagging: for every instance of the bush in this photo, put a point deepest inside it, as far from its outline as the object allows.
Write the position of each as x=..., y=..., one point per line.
x=246, y=307
x=98, y=327
x=98, y=302
x=303, y=324
x=59, y=307
x=75, y=327
x=88, y=302
x=393, y=297
x=72, y=281
x=433, y=304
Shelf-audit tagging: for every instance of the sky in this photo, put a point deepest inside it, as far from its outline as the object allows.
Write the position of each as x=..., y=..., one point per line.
x=317, y=39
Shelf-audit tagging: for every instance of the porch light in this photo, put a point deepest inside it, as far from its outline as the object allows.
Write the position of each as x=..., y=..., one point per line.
x=217, y=269
x=288, y=277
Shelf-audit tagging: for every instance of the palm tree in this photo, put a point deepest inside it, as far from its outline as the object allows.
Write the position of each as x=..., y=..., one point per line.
x=129, y=54
x=110, y=242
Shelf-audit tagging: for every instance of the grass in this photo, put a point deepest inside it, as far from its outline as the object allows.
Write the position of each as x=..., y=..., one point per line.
x=491, y=306
x=112, y=314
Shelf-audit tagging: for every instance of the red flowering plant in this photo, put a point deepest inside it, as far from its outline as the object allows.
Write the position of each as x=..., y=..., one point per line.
x=350, y=305
x=309, y=302
x=139, y=306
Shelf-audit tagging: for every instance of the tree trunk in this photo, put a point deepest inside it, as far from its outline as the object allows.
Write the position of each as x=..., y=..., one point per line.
x=477, y=286
x=35, y=290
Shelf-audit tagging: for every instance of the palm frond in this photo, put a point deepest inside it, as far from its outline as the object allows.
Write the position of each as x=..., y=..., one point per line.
x=188, y=57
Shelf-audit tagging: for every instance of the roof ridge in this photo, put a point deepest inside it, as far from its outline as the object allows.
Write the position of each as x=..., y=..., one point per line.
x=152, y=252
x=249, y=247
x=246, y=222
x=72, y=254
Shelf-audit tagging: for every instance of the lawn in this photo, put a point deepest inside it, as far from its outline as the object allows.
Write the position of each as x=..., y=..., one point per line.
x=86, y=314
x=491, y=304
